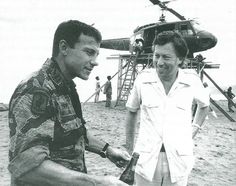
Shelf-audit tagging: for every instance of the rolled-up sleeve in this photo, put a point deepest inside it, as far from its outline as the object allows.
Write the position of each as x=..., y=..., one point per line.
x=30, y=136
x=27, y=160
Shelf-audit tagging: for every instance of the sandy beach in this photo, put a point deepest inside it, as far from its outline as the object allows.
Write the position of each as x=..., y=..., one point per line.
x=215, y=145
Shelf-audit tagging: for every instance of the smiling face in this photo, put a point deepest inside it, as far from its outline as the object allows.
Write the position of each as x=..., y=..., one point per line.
x=166, y=61
x=80, y=60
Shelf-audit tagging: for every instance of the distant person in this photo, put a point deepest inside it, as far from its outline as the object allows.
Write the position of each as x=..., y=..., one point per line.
x=231, y=95
x=108, y=91
x=138, y=46
x=97, y=89
x=200, y=58
x=48, y=135
x=164, y=95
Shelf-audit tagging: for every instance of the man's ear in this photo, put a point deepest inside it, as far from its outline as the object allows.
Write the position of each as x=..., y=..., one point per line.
x=153, y=48
x=63, y=47
x=181, y=61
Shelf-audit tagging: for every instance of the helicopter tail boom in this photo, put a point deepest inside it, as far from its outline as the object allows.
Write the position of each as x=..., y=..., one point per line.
x=116, y=44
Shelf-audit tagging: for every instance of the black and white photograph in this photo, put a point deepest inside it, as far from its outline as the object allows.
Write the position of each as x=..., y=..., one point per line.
x=117, y=92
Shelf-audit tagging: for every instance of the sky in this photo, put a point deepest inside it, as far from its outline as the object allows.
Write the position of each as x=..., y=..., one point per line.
x=27, y=28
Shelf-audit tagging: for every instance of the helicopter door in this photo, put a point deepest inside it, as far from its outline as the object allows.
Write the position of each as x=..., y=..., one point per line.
x=150, y=33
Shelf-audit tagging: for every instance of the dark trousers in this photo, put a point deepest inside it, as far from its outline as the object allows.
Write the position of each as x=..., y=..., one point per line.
x=108, y=99
x=230, y=105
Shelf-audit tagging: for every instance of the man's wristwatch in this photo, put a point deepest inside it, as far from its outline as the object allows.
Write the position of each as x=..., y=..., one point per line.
x=103, y=151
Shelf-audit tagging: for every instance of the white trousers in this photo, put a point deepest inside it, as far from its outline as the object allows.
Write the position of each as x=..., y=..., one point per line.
x=161, y=176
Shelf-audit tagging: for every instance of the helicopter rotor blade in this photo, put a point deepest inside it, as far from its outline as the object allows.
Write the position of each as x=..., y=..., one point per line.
x=166, y=2
x=163, y=6
x=176, y=14
x=157, y=2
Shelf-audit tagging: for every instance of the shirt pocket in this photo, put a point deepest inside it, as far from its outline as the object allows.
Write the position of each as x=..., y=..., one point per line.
x=185, y=159
x=181, y=106
x=183, y=103
x=67, y=116
x=151, y=97
x=145, y=149
x=72, y=124
x=151, y=106
x=185, y=151
x=151, y=100
x=150, y=113
x=182, y=112
x=185, y=145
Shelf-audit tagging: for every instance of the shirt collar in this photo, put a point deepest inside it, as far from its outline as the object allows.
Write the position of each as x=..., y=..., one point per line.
x=182, y=78
x=57, y=76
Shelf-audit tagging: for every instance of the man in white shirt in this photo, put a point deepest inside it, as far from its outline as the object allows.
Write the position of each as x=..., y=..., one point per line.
x=164, y=96
x=97, y=89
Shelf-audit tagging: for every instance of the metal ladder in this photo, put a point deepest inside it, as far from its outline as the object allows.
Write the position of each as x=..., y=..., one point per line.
x=127, y=76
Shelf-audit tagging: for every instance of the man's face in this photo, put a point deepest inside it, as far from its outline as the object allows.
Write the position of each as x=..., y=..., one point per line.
x=81, y=59
x=166, y=61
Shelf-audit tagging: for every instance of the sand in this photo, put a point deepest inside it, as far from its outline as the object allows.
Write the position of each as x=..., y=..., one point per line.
x=215, y=145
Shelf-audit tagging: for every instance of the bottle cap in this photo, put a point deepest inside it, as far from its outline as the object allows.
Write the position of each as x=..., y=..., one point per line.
x=136, y=155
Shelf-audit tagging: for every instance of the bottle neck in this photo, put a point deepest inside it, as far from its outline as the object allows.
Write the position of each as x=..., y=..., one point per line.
x=133, y=162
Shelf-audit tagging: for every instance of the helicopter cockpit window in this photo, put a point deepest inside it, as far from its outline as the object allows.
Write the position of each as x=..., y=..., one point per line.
x=185, y=30
x=196, y=26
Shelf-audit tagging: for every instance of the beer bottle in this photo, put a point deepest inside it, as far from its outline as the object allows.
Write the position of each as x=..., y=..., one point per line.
x=128, y=175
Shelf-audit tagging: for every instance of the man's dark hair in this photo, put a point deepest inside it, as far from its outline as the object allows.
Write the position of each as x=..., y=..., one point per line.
x=178, y=41
x=230, y=89
x=70, y=31
x=109, y=77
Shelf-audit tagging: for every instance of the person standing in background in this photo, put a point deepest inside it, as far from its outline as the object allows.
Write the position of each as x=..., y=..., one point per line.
x=97, y=89
x=231, y=95
x=108, y=91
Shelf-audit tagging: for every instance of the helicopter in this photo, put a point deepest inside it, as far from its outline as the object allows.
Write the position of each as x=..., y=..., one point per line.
x=197, y=39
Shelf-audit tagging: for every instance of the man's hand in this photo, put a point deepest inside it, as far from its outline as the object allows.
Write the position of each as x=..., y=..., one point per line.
x=118, y=156
x=110, y=180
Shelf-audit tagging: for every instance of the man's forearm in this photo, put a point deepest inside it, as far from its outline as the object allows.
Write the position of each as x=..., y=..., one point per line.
x=51, y=173
x=130, y=130
x=200, y=115
x=115, y=155
x=199, y=118
x=95, y=145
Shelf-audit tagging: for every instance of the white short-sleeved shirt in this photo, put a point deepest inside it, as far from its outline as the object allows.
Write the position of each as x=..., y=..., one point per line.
x=166, y=119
